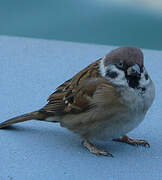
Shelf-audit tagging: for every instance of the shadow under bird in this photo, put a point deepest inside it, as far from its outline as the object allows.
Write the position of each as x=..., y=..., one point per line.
x=104, y=101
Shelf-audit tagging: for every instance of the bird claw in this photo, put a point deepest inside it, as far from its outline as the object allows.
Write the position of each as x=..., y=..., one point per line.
x=131, y=141
x=95, y=150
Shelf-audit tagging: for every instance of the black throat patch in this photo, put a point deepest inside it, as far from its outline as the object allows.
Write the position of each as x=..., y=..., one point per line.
x=133, y=81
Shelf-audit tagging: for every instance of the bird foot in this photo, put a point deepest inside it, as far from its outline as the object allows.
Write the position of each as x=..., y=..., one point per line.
x=131, y=141
x=95, y=150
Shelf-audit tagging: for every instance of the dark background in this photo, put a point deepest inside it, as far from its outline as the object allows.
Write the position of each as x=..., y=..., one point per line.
x=99, y=21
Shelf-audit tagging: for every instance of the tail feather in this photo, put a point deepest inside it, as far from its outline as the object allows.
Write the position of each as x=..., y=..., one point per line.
x=25, y=117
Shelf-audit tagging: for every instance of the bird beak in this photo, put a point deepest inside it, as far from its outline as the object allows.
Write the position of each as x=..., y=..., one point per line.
x=134, y=71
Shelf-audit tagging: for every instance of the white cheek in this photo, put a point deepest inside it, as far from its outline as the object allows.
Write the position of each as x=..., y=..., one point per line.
x=119, y=80
x=143, y=82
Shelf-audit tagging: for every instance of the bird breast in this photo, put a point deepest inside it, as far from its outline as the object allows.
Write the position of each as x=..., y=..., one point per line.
x=135, y=105
x=111, y=118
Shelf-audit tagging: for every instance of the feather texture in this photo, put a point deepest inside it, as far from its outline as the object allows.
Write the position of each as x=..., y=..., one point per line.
x=74, y=95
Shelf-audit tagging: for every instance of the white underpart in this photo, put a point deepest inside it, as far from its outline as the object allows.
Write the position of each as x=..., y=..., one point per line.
x=120, y=80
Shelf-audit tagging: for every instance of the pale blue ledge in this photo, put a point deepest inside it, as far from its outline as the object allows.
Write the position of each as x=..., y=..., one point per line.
x=30, y=70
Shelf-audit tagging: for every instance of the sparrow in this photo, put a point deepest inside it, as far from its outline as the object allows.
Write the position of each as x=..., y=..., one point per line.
x=104, y=101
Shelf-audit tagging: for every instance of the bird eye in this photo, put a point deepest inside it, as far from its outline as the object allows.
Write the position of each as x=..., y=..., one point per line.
x=142, y=69
x=146, y=76
x=120, y=65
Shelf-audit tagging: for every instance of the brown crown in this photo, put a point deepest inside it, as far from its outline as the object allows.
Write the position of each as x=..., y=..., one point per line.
x=130, y=55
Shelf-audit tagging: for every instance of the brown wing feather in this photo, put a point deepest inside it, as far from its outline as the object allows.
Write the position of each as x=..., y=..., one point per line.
x=71, y=96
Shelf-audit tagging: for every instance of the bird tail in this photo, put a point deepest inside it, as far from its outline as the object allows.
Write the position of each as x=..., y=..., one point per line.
x=25, y=117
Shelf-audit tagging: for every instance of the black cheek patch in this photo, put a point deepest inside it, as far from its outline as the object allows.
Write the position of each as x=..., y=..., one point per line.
x=111, y=74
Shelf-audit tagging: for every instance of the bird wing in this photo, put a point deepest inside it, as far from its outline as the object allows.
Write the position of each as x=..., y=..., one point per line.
x=75, y=95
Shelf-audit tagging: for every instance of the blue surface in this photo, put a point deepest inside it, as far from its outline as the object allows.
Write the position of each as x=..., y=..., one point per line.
x=30, y=71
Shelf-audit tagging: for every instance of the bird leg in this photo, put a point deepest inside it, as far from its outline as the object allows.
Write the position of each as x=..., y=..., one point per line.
x=134, y=142
x=95, y=150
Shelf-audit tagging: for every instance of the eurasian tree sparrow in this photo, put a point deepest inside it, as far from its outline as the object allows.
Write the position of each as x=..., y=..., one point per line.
x=105, y=100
